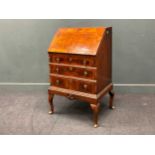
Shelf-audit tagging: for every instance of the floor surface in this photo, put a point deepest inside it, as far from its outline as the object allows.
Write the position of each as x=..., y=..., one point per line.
x=25, y=111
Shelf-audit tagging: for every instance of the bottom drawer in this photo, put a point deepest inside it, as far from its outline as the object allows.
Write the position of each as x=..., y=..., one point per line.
x=78, y=85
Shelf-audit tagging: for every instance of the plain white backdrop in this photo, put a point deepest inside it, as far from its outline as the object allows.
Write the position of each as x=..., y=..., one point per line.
x=77, y=9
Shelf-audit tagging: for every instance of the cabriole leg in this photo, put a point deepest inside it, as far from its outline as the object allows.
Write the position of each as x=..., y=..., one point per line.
x=95, y=109
x=50, y=100
x=111, y=94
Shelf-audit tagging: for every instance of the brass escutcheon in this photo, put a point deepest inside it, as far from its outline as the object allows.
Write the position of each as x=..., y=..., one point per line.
x=70, y=68
x=85, y=73
x=85, y=86
x=84, y=62
x=70, y=59
x=57, y=69
x=57, y=59
x=57, y=82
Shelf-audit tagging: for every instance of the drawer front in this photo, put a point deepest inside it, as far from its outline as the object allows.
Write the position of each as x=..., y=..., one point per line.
x=73, y=71
x=78, y=85
x=59, y=82
x=73, y=59
x=87, y=87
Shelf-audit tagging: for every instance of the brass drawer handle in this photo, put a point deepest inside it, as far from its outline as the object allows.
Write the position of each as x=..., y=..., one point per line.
x=85, y=86
x=58, y=59
x=57, y=82
x=70, y=68
x=70, y=59
x=85, y=73
x=84, y=62
x=57, y=70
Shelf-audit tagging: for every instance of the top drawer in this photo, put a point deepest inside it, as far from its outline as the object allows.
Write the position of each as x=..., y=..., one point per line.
x=73, y=59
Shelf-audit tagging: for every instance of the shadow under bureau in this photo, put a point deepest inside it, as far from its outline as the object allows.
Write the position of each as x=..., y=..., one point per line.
x=80, y=63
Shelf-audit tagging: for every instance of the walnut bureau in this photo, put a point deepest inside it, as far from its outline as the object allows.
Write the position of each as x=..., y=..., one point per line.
x=80, y=64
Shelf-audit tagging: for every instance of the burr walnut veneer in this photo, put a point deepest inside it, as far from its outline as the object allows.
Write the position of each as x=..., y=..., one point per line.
x=80, y=66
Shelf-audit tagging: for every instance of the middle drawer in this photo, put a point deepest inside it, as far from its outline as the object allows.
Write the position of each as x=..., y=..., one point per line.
x=83, y=72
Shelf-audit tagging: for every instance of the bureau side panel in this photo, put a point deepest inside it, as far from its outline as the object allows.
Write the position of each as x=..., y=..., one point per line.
x=104, y=61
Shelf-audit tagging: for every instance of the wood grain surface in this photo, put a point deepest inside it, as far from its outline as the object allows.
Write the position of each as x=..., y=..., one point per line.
x=77, y=40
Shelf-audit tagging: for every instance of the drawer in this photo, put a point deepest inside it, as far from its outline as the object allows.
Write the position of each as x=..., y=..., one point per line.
x=73, y=59
x=59, y=82
x=87, y=87
x=78, y=85
x=88, y=73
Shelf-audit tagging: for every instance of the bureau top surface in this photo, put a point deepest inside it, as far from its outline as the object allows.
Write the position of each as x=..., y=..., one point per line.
x=77, y=40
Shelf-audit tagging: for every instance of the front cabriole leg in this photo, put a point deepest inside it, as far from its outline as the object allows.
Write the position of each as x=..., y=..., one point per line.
x=50, y=100
x=95, y=109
